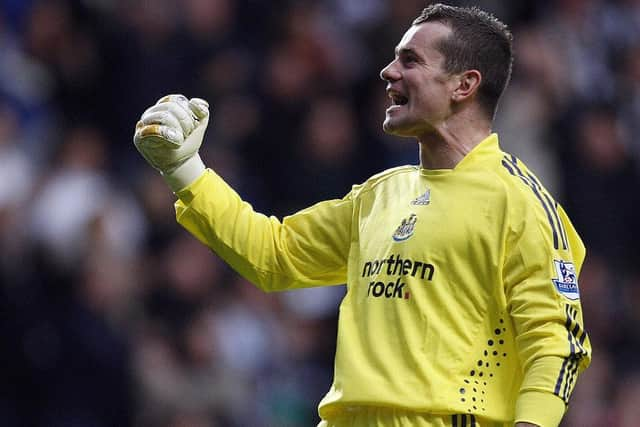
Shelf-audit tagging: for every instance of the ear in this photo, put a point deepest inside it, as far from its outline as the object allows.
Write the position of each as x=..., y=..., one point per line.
x=468, y=84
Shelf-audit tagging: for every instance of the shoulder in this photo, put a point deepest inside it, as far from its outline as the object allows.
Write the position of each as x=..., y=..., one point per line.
x=521, y=185
x=530, y=205
x=378, y=180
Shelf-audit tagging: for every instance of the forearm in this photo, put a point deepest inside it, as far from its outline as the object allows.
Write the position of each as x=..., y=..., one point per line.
x=309, y=248
x=536, y=403
x=215, y=214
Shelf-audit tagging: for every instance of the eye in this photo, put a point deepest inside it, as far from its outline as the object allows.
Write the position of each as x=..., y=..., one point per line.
x=409, y=59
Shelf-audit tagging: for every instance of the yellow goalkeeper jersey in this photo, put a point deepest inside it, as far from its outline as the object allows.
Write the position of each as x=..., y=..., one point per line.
x=462, y=284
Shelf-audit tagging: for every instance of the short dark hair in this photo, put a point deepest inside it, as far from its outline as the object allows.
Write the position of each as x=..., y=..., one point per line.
x=478, y=41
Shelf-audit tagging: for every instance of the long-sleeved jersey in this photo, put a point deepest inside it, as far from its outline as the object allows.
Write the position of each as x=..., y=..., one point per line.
x=462, y=284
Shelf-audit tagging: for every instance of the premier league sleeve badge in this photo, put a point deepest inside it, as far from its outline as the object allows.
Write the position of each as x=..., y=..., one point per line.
x=566, y=281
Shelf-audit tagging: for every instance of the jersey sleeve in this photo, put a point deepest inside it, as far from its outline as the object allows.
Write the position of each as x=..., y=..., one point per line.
x=308, y=248
x=542, y=265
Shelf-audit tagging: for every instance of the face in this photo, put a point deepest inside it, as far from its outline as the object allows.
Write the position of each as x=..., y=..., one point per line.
x=420, y=90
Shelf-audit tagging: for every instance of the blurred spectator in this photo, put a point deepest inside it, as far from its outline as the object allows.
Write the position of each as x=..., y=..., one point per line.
x=76, y=195
x=17, y=171
x=600, y=176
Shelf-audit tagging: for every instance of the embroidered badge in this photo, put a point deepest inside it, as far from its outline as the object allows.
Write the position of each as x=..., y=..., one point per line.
x=567, y=281
x=405, y=229
x=423, y=199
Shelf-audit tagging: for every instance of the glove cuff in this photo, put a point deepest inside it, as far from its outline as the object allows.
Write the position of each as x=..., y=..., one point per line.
x=185, y=174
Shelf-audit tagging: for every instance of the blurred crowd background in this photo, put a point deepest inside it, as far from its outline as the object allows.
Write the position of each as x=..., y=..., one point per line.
x=112, y=315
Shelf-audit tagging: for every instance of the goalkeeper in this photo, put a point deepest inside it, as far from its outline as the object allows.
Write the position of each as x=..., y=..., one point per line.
x=462, y=304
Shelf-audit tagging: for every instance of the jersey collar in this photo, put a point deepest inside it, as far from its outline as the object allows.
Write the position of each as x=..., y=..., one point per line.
x=485, y=148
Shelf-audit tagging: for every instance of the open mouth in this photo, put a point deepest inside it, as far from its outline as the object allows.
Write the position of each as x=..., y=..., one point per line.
x=397, y=99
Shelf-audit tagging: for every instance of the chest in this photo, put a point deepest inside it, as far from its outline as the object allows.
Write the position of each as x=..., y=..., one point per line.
x=427, y=256
x=438, y=220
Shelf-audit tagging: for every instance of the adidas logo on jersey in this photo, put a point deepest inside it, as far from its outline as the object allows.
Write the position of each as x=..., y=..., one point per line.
x=423, y=199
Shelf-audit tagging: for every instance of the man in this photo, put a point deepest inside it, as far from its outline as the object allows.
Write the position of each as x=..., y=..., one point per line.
x=463, y=305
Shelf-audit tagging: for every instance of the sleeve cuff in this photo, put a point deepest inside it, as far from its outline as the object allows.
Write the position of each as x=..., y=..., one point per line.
x=185, y=174
x=541, y=408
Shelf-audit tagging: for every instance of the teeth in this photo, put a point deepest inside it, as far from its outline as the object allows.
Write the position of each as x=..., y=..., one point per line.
x=398, y=99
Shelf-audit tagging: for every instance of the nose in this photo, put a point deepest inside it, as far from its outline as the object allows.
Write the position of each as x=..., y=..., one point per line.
x=390, y=73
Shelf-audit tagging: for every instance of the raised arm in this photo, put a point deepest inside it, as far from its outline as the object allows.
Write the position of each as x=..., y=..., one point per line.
x=308, y=248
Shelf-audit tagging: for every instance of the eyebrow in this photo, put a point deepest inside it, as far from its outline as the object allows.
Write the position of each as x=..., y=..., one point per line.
x=405, y=50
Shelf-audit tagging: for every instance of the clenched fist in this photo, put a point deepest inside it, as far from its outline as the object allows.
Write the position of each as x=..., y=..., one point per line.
x=169, y=135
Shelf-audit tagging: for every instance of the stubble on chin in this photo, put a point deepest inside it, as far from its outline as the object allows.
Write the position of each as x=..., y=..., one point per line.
x=388, y=126
x=392, y=127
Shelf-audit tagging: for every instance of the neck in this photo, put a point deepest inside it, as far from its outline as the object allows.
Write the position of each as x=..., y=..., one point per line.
x=447, y=144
